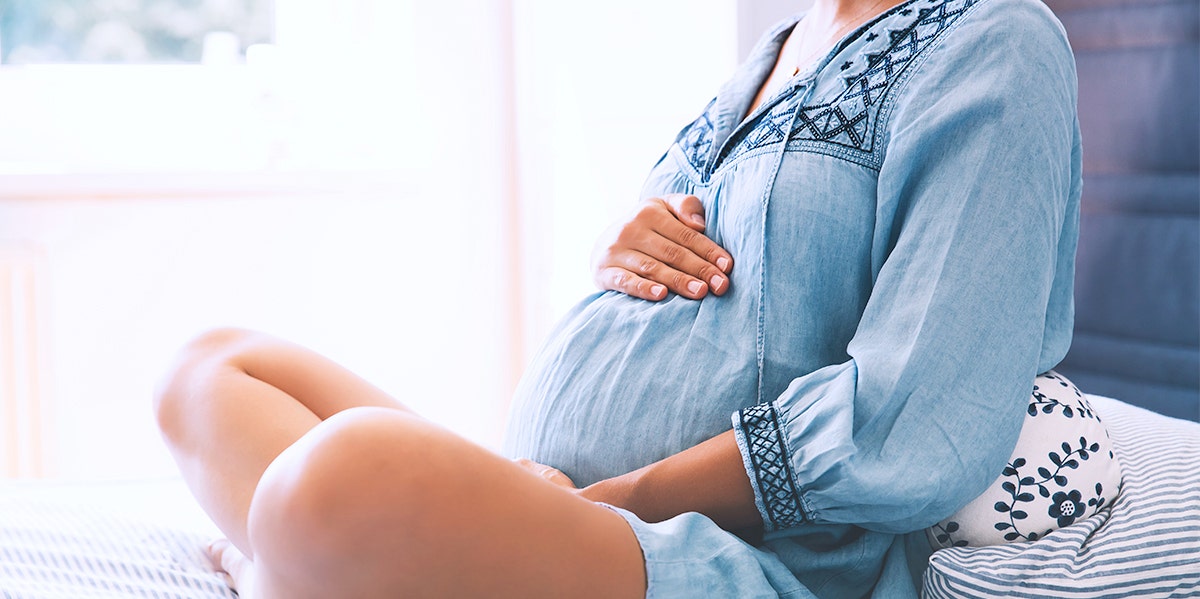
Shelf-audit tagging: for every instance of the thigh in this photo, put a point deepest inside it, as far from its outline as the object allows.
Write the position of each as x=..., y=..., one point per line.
x=234, y=400
x=377, y=503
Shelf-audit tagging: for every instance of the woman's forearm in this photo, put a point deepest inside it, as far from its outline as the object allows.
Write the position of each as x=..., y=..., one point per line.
x=709, y=478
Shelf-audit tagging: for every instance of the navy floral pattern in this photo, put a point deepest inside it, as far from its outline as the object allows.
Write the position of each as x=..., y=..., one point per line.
x=1047, y=403
x=943, y=532
x=1065, y=506
x=1041, y=489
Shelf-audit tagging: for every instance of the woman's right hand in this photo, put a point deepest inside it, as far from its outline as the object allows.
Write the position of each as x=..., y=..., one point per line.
x=662, y=247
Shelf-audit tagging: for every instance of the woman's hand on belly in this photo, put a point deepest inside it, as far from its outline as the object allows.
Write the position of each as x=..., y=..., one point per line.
x=662, y=247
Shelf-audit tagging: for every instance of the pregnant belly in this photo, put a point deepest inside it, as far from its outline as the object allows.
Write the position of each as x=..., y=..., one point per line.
x=623, y=382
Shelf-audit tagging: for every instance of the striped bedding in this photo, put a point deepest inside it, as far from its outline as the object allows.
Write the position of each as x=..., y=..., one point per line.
x=97, y=541
x=1147, y=544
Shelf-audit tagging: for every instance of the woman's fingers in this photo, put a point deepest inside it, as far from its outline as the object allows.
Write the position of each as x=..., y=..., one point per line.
x=615, y=278
x=692, y=252
x=687, y=208
x=662, y=248
x=687, y=229
x=547, y=473
x=662, y=269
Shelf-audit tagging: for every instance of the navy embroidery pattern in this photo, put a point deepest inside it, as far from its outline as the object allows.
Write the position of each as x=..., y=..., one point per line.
x=697, y=138
x=845, y=119
x=769, y=128
x=770, y=461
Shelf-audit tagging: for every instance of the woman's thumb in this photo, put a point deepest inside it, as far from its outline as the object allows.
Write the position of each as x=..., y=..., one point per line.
x=689, y=210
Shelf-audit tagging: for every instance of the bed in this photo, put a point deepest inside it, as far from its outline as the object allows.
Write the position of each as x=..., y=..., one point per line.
x=117, y=539
x=146, y=539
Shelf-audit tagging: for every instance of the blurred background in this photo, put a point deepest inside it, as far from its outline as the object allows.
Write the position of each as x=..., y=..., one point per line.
x=409, y=187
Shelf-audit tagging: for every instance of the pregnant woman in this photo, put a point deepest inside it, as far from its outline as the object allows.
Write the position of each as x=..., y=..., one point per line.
x=818, y=339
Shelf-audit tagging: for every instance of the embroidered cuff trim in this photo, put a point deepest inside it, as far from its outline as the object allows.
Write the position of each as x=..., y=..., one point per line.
x=773, y=473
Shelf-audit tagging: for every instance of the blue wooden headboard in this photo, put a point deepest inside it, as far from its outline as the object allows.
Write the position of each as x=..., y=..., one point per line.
x=1137, y=286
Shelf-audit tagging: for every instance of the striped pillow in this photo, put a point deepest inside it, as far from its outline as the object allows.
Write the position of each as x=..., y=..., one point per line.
x=1145, y=544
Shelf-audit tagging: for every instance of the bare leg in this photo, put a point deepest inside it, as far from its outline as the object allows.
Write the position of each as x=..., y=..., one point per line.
x=377, y=503
x=334, y=489
x=224, y=422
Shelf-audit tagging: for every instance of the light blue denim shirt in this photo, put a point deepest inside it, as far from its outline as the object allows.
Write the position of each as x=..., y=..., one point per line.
x=903, y=220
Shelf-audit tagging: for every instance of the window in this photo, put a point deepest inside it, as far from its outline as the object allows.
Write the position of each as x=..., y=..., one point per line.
x=375, y=143
x=131, y=31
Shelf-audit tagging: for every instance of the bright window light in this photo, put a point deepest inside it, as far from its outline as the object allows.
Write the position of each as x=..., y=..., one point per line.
x=131, y=31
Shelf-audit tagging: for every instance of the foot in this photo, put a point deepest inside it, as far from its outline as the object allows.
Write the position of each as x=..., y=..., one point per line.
x=235, y=566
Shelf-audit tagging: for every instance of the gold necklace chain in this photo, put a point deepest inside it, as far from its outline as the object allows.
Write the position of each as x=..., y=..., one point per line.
x=836, y=35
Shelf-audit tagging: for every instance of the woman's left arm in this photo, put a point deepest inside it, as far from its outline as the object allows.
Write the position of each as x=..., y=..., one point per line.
x=709, y=478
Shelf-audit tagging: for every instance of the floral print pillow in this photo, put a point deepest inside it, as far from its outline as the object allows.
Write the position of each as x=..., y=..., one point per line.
x=1062, y=470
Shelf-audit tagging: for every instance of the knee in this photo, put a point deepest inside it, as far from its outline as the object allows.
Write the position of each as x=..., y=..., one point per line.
x=351, y=487
x=193, y=365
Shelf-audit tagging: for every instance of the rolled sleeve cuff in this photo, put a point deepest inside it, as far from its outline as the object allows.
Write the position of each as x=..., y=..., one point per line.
x=760, y=439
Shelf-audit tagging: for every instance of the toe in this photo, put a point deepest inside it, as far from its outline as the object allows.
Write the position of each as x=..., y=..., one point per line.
x=229, y=562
